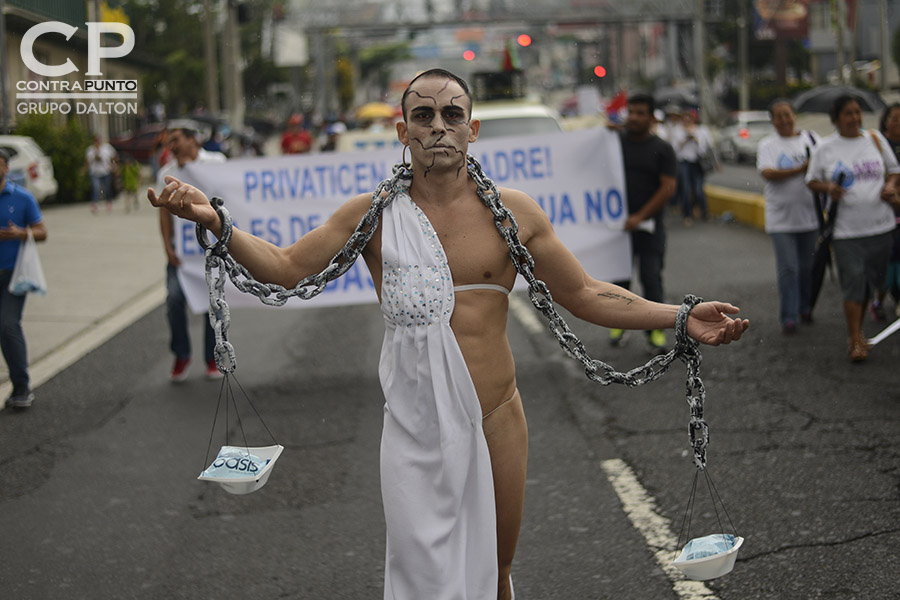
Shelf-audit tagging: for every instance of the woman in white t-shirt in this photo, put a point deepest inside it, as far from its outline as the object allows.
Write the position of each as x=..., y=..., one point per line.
x=691, y=141
x=859, y=171
x=791, y=221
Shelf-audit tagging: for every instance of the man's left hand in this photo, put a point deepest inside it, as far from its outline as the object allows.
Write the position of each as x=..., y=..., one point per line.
x=632, y=222
x=13, y=232
x=710, y=324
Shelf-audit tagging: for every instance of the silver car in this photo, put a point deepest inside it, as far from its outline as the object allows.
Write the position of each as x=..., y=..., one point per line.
x=741, y=135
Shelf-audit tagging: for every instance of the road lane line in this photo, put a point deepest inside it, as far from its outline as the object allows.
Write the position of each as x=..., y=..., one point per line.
x=640, y=508
x=526, y=314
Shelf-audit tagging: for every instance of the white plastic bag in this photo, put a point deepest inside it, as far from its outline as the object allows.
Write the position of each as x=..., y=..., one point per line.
x=28, y=276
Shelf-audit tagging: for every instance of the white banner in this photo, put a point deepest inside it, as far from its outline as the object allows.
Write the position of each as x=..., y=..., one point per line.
x=576, y=177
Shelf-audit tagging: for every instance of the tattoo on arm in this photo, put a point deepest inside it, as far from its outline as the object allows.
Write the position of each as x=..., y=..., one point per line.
x=616, y=296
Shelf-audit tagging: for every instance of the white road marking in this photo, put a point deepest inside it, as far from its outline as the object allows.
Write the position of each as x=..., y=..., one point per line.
x=640, y=508
x=526, y=314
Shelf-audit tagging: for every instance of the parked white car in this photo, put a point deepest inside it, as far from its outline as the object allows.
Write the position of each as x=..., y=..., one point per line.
x=741, y=135
x=29, y=166
x=501, y=118
x=498, y=119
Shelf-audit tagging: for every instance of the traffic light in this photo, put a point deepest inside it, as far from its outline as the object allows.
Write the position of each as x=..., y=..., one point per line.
x=600, y=71
x=524, y=40
x=469, y=55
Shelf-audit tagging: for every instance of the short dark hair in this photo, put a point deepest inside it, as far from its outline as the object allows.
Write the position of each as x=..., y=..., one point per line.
x=4, y=155
x=838, y=105
x=437, y=73
x=776, y=102
x=646, y=99
x=882, y=125
x=187, y=132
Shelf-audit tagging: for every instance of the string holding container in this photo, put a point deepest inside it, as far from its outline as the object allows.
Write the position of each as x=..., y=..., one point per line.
x=237, y=469
x=714, y=555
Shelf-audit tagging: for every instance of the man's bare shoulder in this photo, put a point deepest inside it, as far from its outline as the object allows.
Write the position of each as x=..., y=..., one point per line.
x=352, y=211
x=528, y=212
x=517, y=199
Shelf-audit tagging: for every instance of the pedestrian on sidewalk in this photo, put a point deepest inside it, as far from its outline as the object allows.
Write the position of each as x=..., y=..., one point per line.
x=185, y=147
x=455, y=441
x=694, y=147
x=22, y=216
x=791, y=221
x=650, y=180
x=859, y=171
x=131, y=179
x=100, y=162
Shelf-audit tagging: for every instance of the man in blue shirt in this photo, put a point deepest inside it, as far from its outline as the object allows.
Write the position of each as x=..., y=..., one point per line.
x=20, y=211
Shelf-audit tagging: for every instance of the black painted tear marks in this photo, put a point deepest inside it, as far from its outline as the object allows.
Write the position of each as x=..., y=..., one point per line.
x=452, y=115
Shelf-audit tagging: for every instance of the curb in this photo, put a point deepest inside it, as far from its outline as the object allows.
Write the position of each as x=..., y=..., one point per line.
x=746, y=207
x=70, y=351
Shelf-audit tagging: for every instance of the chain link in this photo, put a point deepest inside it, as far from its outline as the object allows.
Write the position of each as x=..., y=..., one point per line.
x=220, y=265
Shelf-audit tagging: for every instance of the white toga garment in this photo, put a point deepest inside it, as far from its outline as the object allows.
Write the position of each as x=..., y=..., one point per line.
x=436, y=478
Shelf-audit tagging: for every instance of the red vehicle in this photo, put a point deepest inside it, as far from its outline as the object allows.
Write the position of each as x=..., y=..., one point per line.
x=138, y=144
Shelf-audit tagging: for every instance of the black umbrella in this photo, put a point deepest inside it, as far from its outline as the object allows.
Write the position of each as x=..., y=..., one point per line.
x=678, y=96
x=820, y=99
x=822, y=256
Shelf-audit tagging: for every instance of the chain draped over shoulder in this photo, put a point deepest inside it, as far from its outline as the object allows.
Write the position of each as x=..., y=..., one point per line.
x=220, y=263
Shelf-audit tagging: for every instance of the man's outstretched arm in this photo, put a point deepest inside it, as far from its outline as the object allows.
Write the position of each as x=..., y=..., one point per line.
x=603, y=303
x=267, y=262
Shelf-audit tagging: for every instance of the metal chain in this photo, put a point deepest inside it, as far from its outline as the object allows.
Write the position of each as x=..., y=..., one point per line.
x=219, y=264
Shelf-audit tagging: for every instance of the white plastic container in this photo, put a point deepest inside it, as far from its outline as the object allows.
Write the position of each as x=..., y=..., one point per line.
x=709, y=567
x=250, y=483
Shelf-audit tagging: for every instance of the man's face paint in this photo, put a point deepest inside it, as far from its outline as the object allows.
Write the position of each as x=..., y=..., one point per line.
x=438, y=124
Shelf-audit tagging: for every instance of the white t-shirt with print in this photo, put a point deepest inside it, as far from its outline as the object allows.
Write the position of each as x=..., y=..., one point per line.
x=789, y=203
x=183, y=173
x=100, y=160
x=861, y=211
x=689, y=150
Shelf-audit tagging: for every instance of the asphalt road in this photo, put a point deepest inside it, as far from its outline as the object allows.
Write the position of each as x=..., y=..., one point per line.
x=737, y=176
x=98, y=496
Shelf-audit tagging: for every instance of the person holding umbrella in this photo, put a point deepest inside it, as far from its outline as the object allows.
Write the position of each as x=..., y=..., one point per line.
x=791, y=220
x=859, y=172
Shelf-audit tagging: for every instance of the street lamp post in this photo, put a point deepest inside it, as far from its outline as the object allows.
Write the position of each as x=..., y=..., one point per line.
x=4, y=105
x=743, y=42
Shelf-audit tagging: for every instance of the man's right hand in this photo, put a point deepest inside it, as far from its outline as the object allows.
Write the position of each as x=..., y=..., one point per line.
x=187, y=202
x=173, y=257
x=835, y=190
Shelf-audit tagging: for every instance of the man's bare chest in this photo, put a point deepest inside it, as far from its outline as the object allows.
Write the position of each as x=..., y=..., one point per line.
x=475, y=251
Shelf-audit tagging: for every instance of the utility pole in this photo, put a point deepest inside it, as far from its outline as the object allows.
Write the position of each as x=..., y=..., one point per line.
x=841, y=19
x=231, y=58
x=209, y=51
x=743, y=42
x=706, y=105
x=885, y=44
x=4, y=104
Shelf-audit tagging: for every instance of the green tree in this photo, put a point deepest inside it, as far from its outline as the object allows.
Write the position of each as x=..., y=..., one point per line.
x=260, y=70
x=169, y=36
x=65, y=145
x=375, y=62
x=895, y=47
